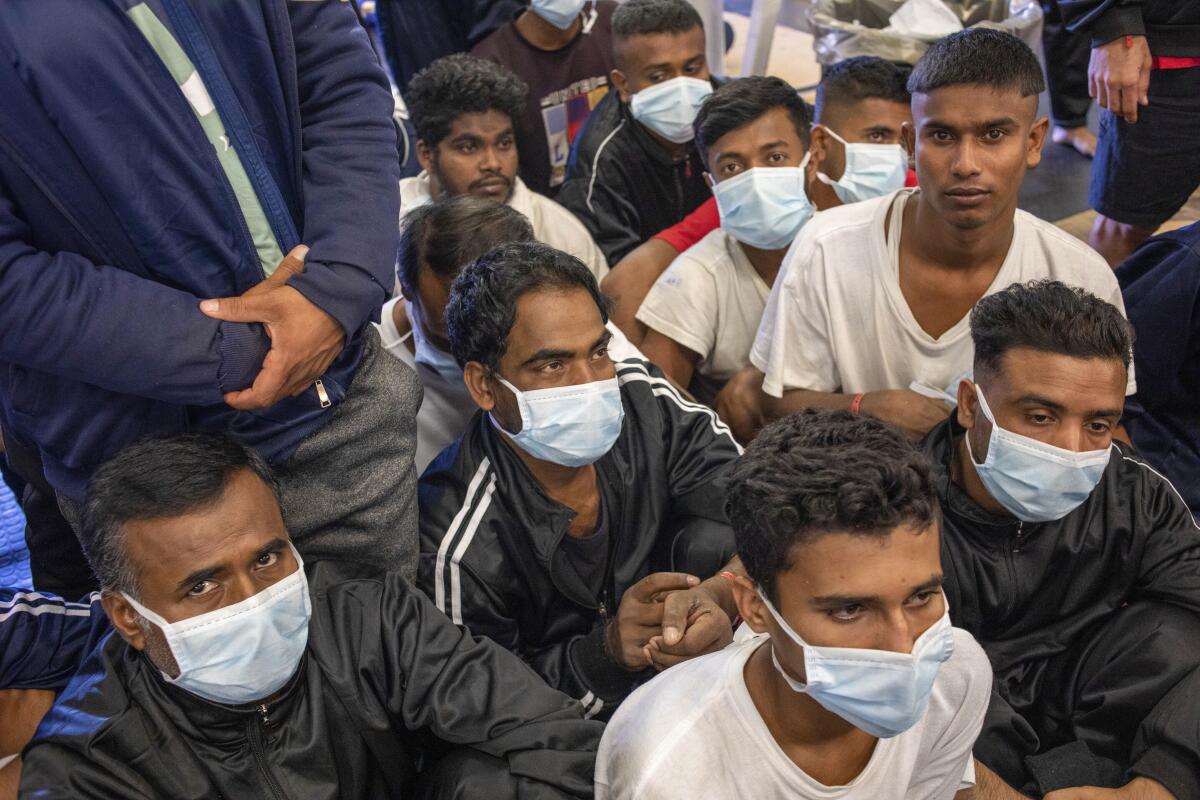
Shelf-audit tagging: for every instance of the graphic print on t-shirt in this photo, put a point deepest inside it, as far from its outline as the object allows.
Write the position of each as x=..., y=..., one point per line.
x=563, y=114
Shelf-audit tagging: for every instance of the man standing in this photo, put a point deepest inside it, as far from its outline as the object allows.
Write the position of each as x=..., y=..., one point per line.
x=238, y=671
x=582, y=492
x=634, y=171
x=870, y=311
x=465, y=111
x=1075, y=564
x=563, y=51
x=155, y=168
x=1145, y=71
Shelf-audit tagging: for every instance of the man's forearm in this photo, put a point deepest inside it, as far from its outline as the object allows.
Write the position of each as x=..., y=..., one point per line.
x=989, y=786
x=794, y=400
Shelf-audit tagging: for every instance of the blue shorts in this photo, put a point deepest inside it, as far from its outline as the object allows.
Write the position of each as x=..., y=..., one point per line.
x=1143, y=173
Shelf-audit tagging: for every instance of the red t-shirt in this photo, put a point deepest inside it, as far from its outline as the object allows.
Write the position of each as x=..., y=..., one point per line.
x=705, y=219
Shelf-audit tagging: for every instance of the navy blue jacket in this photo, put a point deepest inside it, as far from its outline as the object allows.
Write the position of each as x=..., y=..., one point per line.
x=43, y=638
x=116, y=218
x=1161, y=286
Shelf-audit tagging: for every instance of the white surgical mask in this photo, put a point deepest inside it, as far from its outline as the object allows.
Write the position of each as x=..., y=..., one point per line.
x=432, y=356
x=568, y=425
x=1035, y=481
x=244, y=652
x=765, y=207
x=669, y=108
x=877, y=691
x=872, y=170
x=559, y=13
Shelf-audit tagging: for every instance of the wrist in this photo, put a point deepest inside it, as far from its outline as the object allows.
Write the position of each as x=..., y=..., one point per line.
x=856, y=403
x=612, y=646
x=719, y=589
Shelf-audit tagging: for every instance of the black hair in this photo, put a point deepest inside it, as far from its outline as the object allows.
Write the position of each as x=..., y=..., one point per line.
x=446, y=235
x=152, y=479
x=853, y=80
x=1050, y=317
x=740, y=102
x=818, y=472
x=461, y=84
x=979, y=56
x=483, y=299
x=641, y=17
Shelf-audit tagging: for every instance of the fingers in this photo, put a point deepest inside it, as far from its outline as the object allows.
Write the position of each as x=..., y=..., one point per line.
x=644, y=590
x=292, y=264
x=258, y=307
x=268, y=387
x=1129, y=100
x=676, y=609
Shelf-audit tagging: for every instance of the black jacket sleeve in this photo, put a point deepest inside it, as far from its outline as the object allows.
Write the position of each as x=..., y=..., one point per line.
x=1170, y=565
x=1104, y=20
x=600, y=200
x=470, y=691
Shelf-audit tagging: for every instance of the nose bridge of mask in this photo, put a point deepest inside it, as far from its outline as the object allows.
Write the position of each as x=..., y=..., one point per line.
x=219, y=615
x=1030, y=445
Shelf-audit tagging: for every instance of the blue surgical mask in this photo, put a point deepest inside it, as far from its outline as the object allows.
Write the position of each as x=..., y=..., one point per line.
x=872, y=170
x=764, y=207
x=877, y=691
x=433, y=356
x=245, y=652
x=559, y=13
x=568, y=425
x=669, y=108
x=1035, y=481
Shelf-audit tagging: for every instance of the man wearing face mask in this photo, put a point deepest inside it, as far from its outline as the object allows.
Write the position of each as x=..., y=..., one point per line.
x=864, y=101
x=1075, y=564
x=547, y=525
x=634, y=172
x=437, y=241
x=562, y=50
x=702, y=314
x=238, y=671
x=851, y=682
x=869, y=313
x=465, y=111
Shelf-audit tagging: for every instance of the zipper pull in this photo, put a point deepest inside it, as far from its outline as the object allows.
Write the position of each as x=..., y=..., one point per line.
x=323, y=395
x=1020, y=533
x=262, y=712
x=603, y=613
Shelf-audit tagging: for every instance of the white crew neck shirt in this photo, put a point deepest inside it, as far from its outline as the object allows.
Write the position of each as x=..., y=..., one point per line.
x=710, y=300
x=693, y=731
x=837, y=321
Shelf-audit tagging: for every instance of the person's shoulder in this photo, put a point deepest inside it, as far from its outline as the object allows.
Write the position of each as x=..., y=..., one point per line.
x=709, y=256
x=552, y=217
x=1067, y=258
x=497, y=44
x=967, y=674
x=1137, y=485
x=847, y=220
x=603, y=125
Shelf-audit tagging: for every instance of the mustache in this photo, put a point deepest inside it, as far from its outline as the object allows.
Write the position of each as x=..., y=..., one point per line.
x=490, y=179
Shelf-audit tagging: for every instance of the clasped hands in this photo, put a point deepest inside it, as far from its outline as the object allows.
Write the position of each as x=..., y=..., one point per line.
x=304, y=339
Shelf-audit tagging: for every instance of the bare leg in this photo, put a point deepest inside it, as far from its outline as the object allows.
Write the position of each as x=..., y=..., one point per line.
x=1116, y=240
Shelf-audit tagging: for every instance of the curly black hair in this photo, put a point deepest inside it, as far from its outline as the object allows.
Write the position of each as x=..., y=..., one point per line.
x=461, y=84
x=1050, y=317
x=483, y=299
x=818, y=472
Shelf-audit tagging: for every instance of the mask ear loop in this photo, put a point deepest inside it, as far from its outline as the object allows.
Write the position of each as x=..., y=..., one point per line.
x=821, y=176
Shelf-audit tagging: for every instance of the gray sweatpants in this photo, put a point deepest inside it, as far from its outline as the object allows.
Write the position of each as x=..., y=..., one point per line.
x=350, y=490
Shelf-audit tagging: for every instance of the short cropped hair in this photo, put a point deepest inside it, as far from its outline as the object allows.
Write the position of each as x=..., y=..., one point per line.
x=446, y=235
x=483, y=300
x=853, y=80
x=153, y=479
x=642, y=17
x=1050, y=317
x=740, y=102
x=461, y=84
x=978, y=56
x=819, y=472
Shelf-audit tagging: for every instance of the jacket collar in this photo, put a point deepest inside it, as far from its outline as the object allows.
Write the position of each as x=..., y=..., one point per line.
x=941, y=445
x=651, y=147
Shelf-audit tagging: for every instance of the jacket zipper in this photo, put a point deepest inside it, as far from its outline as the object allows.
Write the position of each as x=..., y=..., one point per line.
x=1018, y=539
x=256, y=729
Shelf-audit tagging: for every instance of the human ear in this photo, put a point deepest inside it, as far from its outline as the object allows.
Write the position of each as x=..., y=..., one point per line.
x=749, y=605
x=621, y=83
x=908, y=140
x=124, y=618
x=1037, y=140
x=475, y=376
x=424, y=155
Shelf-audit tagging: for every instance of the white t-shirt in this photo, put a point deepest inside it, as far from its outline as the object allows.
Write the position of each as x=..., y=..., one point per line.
x=446, y=406
x=710, y=300
x=552, y=224
x=836, y=320
x=693, y=731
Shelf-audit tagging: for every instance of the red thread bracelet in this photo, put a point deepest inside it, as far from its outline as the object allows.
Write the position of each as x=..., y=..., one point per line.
x=856, y=404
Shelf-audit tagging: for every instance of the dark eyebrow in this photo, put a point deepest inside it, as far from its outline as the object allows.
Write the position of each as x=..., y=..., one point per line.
x=1038, y=400
x=1003, y=122
x=773, y=145
x=202, y=574
x=604, y=339
x=879, y=129
x=837, y=600
x=546, y=355
x=273, y=546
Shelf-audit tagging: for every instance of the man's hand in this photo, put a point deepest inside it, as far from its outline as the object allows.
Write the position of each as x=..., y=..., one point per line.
x=1119, y=76
x=304, y=339
x=1140, y=788
x=694, y=623
x=640, y=617
x=739, y=404
x=913, y=413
